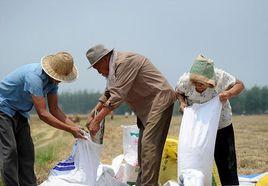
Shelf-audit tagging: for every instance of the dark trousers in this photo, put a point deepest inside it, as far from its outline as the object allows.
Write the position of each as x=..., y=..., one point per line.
x=17, y=151
x=225, y=156
x=152, y=139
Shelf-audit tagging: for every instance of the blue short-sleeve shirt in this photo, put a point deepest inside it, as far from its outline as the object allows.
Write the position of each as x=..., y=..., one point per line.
x=17, y=88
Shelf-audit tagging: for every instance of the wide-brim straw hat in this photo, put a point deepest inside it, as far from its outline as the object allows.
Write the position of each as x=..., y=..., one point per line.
x=203, y=71
x=96, y=53
x=60, y=67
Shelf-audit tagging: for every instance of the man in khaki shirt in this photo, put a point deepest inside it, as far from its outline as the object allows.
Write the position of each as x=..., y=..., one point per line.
x=133, y=79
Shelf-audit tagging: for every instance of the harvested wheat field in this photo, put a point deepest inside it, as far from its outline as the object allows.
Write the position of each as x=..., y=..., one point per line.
x=52, y=145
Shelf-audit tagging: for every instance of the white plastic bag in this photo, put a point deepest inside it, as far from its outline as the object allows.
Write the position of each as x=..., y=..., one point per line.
x=130, y=144
x=126, y=166
x=80, y=169
x=196, y=142
x=130, y=173
x=117, y=166
x=106, y=177
x=253, y=179
x=171, y=183
x=192, y=177
x=124, y=172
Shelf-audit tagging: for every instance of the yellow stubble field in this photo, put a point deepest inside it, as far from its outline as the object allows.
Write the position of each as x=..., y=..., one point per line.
x=52, y=145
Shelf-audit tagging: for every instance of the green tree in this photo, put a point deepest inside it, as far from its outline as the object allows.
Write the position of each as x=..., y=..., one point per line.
x=253, y=102
x=264, y=99
x=238, y=103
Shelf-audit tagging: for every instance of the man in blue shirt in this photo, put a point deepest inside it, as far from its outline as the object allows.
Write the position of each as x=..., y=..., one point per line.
x=29, y=86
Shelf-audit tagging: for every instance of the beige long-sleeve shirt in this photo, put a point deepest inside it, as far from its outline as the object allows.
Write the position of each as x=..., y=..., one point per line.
x=140, y=85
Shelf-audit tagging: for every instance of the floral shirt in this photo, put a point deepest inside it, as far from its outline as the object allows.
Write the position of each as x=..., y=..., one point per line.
x=223, y=81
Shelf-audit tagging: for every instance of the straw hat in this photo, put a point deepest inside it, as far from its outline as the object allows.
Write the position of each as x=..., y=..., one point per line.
x=203, y=71
x=60, y=67
x=95, y=54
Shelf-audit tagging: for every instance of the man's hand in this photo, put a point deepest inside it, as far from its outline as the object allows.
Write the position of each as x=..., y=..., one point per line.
x=77, y=132
x=94, y=127
x=224, y=96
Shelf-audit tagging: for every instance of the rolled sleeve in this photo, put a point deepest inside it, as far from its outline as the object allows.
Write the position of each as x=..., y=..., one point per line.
x=225, y=80
x=103, y=99
x=105, y=96
x=33, y=84
x=54, y=89
x=125, y=76
x=229, y=79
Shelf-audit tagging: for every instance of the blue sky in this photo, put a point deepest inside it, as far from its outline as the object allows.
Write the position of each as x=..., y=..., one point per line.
x=234, y=33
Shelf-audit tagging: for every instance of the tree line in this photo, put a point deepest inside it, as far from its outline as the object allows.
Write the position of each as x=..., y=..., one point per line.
x=250, y=101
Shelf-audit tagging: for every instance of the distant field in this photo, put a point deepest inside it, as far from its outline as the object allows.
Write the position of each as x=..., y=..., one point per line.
x=52, y=145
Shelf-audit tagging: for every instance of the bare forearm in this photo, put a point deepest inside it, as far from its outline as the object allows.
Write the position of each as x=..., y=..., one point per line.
x=236, y=89
x=53, y=121
x=102, y=114
x=44, y=115
x=61, y=116
x=98, y=107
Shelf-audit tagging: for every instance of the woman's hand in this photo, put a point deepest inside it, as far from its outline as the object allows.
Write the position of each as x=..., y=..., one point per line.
x=182, y=106
x=224, y=96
